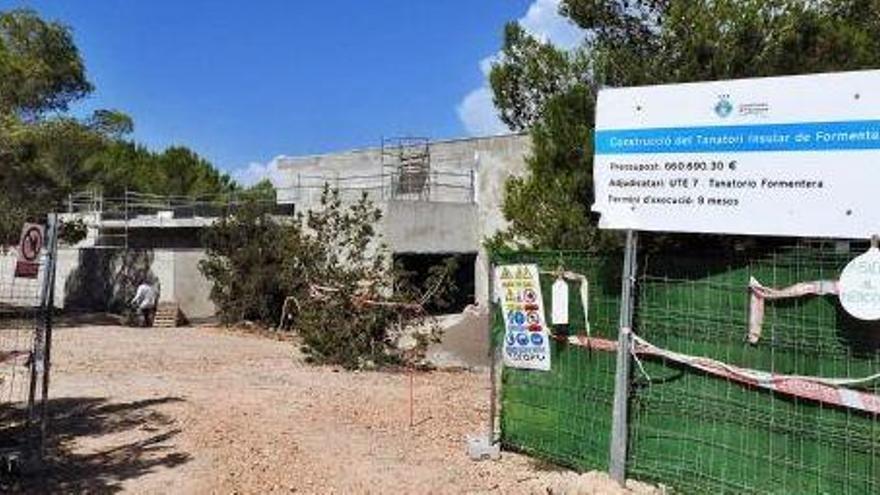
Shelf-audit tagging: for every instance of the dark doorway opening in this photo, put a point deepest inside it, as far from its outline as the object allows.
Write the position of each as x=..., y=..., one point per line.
x=417, y=265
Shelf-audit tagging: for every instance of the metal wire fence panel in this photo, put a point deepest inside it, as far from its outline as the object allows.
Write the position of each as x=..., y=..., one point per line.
x=19, y=323
x=695, y=431
x=564, y=415
x=16, y=340
x=25, y=336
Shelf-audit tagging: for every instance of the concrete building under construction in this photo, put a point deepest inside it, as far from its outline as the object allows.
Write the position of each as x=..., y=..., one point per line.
x=438, y=198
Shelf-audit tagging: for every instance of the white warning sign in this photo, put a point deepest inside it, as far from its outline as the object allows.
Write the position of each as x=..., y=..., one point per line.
x=526, y=339
x=860, y=286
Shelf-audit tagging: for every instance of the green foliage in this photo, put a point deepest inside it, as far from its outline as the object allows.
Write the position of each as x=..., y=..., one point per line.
x=111, y=123
x=45, y=155
x=244, y=253
x=438, y=288
x=329, y=274
x=263, y=190
x=177, y=171
x=183, y=172
x=343, y=266
x=35, y=170
x=44, y=161
x=552, y=92
x=531, y=72
x=72, y=231
x=40, y=66
x=11, y=219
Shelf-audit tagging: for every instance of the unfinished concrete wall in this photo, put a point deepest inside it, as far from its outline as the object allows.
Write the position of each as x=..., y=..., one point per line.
x=191, y=288
x=451, y=222
x=431, y=226
x=105, y=279
x=497, y=159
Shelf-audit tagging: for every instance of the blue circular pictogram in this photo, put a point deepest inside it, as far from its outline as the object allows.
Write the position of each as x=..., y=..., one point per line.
x=519, y=318
x=537, y=339
x=510, y=339
x=522, y=339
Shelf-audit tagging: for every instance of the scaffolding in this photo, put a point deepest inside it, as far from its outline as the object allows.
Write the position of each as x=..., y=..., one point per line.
x=408, y=170
x=407, y=160
x=110, y=219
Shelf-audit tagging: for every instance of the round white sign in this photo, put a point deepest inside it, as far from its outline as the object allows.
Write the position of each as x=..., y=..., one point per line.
x=860, y=286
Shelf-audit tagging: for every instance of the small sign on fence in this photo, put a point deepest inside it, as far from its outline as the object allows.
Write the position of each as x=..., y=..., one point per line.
x=526, y=339
x=559, y=302
x=29, y=248
x=860, y=286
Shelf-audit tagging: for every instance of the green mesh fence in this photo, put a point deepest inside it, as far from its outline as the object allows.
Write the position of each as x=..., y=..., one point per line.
x=564, y=415
x=696, y=432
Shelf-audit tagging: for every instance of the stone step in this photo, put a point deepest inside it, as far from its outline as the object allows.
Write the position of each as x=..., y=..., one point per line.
x=167, y=315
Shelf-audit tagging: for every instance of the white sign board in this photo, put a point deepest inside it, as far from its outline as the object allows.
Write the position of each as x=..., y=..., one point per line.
x=526, y=338
x=859, y=286
x=791, y=156
x=559, y=302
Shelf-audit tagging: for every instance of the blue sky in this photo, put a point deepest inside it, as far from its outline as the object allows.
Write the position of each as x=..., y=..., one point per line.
x=244, y=82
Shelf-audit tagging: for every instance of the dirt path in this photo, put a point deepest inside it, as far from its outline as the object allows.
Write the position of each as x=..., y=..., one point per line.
x=196, y=410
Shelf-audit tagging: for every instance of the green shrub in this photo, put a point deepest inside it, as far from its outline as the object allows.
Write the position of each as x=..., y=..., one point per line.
x=325, y=274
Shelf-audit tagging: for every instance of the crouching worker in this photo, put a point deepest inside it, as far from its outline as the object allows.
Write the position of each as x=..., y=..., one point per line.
x=145, y=301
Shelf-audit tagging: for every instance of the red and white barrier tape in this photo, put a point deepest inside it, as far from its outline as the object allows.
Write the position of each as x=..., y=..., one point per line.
x=825, y=390
x=759, y=293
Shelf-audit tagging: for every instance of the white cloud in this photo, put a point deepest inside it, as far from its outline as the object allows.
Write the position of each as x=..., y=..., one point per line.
x=542, y=20
x=477, y=112
x=486, y=64
x=255, y=172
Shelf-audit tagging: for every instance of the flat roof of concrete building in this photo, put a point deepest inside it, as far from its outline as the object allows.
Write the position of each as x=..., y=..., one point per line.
x=284, y=161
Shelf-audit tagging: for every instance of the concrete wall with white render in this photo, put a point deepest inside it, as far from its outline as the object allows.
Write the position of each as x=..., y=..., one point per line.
x=90, y=279
x=451, y=222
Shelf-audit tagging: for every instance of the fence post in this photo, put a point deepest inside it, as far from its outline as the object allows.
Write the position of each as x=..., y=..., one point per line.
x=493, y=359
x=617, y=464
x=39, y=363
x=48, y=304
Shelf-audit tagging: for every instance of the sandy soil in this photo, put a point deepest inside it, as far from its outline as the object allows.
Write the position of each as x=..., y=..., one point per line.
x=199, y=410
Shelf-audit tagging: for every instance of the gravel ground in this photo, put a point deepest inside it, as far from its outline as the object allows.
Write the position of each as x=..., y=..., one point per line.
x=201, y=410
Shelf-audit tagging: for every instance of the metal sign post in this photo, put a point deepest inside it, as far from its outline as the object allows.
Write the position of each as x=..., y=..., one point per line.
x=40, y=359
x=617, y=464
x=493, y=359
x=48, y=304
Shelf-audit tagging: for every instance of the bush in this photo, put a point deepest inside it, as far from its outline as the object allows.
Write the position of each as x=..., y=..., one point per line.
x=325, y=274
x=244, y=252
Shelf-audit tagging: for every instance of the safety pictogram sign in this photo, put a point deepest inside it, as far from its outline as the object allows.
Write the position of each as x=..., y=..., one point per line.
x=526, y=342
